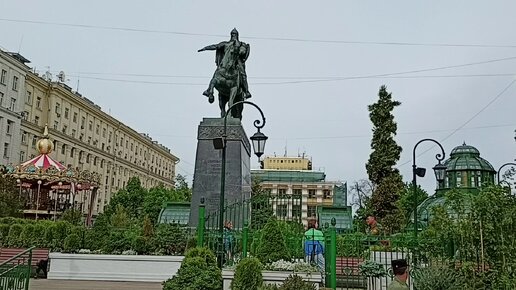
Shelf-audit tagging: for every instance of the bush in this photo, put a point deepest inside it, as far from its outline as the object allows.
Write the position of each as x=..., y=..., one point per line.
x=142, y=245
x=437, y=278
x=294, y=282
x=14, y=236
x=119, y=241
x=27, y=236
x=170, y=239
x=72, y=216
x=51, y=237
x=198, y=271
x=248, y=275
x=39, y=234
x=272, y=246
x=4, y=233
x=351, y=245
x=72, y=244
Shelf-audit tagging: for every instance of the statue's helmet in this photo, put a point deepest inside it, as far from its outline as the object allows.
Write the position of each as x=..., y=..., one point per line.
x=234, y=32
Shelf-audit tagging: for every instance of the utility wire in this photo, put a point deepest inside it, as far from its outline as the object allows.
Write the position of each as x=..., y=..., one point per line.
x=467, y=122
x=291, y=39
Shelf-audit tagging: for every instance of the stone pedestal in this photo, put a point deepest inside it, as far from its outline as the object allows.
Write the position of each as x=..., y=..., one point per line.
x=208, y=161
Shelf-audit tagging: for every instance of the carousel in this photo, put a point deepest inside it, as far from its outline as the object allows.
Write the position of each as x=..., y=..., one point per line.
x=49, y=188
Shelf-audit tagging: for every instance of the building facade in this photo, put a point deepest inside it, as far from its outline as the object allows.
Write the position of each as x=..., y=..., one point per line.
x=87, y=138
x=12, y=79
x=300, y=191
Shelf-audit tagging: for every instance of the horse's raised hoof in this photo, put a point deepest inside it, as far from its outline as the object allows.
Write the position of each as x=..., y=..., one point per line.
x=211, y=99
x=247, y=95
x=207, y=93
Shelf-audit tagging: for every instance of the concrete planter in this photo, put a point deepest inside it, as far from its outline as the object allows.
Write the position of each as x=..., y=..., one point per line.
x=273, y=277
x=113, y=267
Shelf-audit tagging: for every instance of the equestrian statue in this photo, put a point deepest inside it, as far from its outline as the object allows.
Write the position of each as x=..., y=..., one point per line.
x=230, y=78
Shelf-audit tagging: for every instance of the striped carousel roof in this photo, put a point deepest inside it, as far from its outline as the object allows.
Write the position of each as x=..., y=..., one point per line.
x=44, y=161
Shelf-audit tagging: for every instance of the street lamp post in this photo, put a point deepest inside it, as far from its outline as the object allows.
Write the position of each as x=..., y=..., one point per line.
x=439, y=170
x=500, y=169
x=258, y=141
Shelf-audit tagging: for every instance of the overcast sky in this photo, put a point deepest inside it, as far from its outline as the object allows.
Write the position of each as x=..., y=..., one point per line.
x=138, y=60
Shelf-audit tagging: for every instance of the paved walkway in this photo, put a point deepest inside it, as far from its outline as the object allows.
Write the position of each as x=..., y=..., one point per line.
x=43, y=284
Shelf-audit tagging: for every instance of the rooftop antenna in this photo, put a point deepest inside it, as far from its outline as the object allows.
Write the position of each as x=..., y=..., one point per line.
x=78, y=79
x=286, y=143
x=21, y=41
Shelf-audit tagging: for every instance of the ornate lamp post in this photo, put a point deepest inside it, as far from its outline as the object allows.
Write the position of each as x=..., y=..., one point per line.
x=258, y=140
x=439, y=170
x=500, y=169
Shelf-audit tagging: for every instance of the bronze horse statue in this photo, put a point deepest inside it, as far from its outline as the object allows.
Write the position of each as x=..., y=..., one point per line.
x=230, y=78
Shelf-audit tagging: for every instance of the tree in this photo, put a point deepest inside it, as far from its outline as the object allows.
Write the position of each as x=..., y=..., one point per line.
x=130, y=198
x=260, y=206
x=10, y=203
x=406, y=200
x=360, y=193
x=183, y=191
x=386, y=179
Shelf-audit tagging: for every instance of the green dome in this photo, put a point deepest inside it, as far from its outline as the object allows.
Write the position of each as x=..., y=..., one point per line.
x=466, y=157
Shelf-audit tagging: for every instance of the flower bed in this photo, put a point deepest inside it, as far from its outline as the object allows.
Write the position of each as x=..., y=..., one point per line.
x=274, y=277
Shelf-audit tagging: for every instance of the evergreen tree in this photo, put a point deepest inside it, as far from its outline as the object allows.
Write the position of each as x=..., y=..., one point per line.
x=385, y=154
x=10, y=203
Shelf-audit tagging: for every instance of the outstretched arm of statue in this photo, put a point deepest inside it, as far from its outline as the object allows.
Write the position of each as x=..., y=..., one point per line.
x=209, y=47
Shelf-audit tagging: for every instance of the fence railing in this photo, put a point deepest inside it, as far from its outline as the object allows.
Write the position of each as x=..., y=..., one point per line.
x=15, y=272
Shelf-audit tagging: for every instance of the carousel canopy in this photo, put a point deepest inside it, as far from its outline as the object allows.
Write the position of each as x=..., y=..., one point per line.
x=43, y=167
x=43, y=161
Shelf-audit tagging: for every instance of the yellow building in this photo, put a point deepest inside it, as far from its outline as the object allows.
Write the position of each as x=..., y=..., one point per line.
x=87, y=138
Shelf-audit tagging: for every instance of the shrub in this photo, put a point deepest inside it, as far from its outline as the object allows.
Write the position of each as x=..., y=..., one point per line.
x=27, y=236
x=39, y=234
x=142, y=245
x=119, y=241
x=437, y=278
x=72, y=216
x=14, y=236
x=4, y=233
x=272, y=246
x=294, y=282
x=51, y=236
x=248, y=275
x=170, y=239
x=351, y=245
x=198, y=271
x=72, y=243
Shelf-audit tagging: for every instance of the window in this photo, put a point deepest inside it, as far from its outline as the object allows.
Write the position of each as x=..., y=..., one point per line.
x=24, y=138
x=72, y=151
x=97, y=130
x=281, y=210
x=311, y=193
x=28, y=98
x=83, y=121
x=67, y=112
x=64, y=129
x=459, y=179
x=12, y=106
x=73, y=133
x=15, y=83
x=312, y=211
x=74, y=117
x=22, y=156
x=282, y=192
x=36, y=120
x=90, y=125
x=327, y=193
x=1, y=99
x=3, y=77
x=58, y=108
x=56, y=125
x=34, y=141
x=6, y=150
x=25, y=115
x=9, y=127
x=63, y=149
x=104, y=132
x=38, y=103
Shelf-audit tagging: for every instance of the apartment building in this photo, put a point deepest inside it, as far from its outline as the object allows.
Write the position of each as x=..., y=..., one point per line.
x=13, y=70
x=84, y=136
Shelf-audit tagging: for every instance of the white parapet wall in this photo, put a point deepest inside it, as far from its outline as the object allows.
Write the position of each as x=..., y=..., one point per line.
x=274, y=277
x=129, y=268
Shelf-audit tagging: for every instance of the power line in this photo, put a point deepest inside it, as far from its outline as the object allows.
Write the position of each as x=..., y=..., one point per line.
x=468, y=121
x=290, y=39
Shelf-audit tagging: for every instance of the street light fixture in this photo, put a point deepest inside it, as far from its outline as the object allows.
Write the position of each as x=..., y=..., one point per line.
x=504, y=165
x=439, y=170
x=258, y=140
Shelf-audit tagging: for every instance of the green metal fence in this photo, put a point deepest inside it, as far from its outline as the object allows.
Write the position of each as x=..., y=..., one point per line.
x=15, y=272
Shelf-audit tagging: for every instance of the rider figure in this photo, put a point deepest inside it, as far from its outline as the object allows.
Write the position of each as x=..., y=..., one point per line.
x=229, y=54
